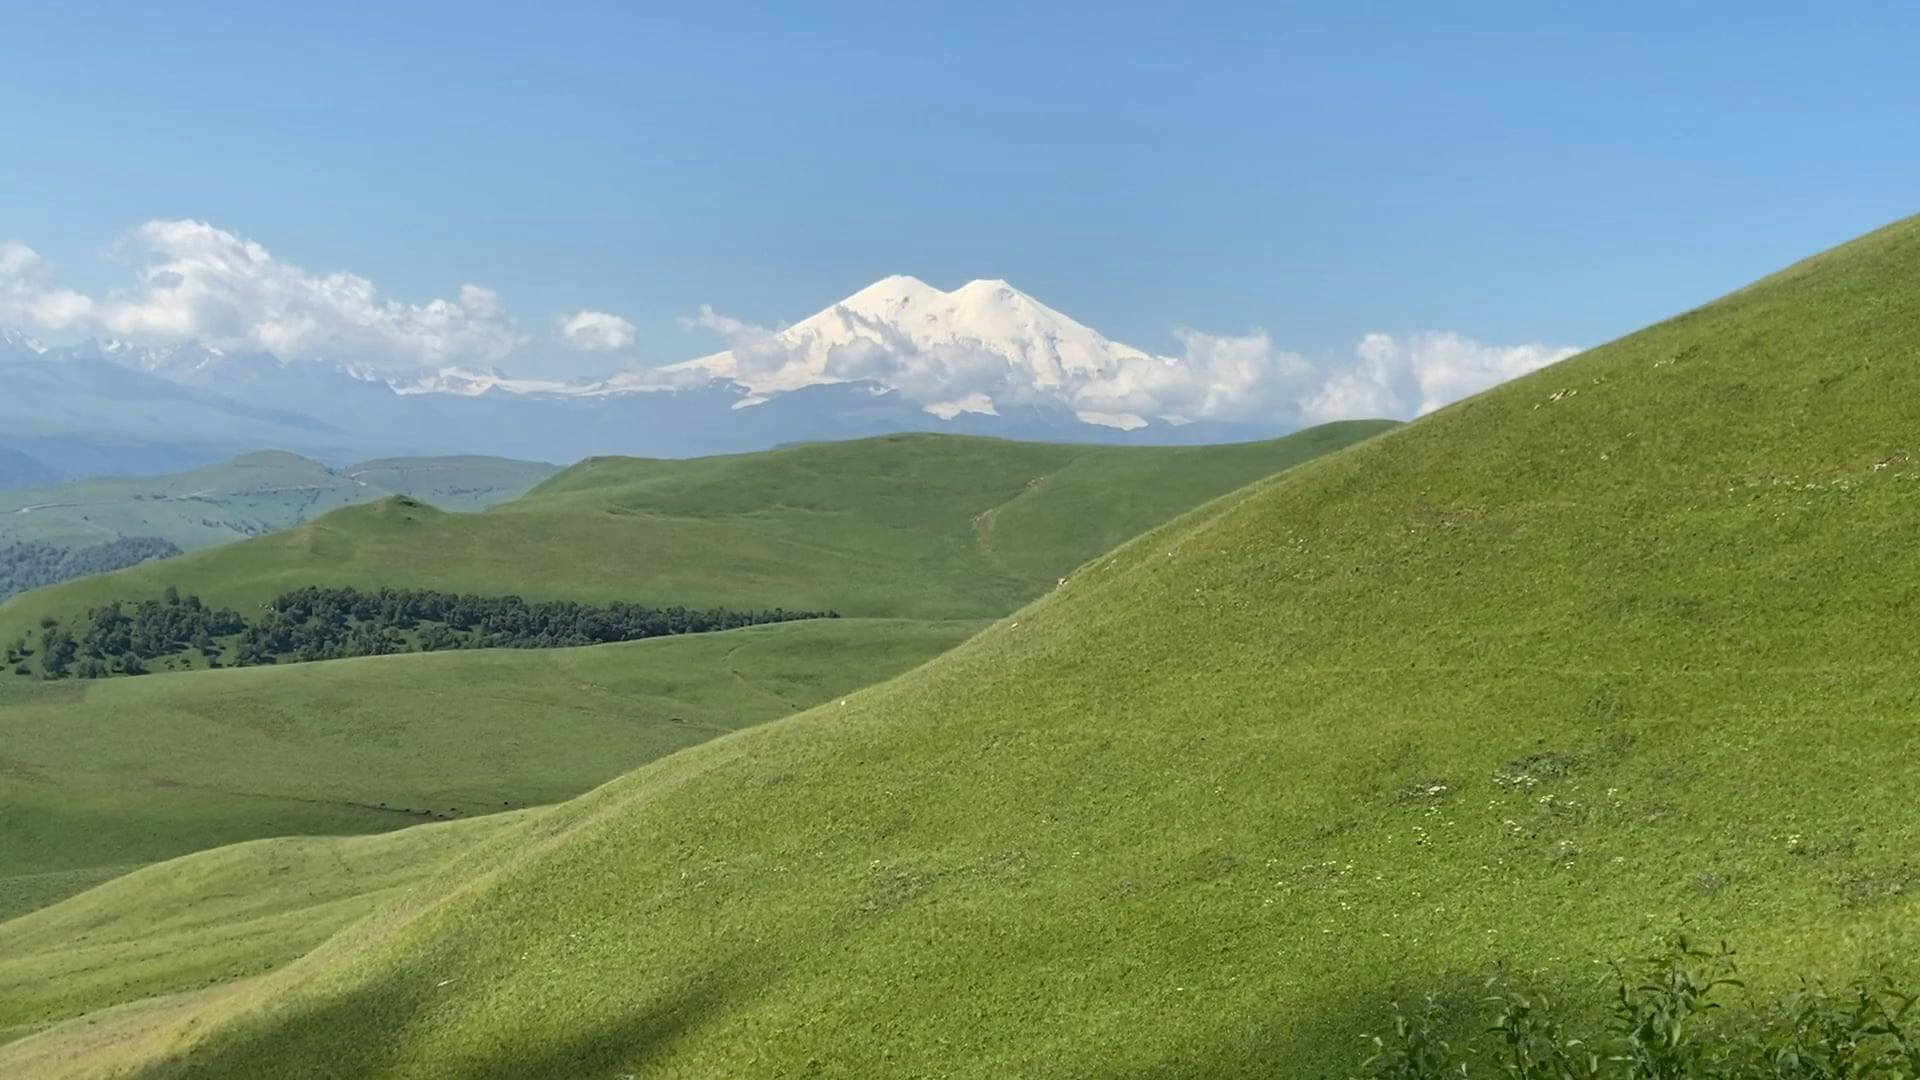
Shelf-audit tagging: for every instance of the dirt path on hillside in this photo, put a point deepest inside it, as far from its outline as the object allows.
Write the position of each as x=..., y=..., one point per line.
x=984, y=521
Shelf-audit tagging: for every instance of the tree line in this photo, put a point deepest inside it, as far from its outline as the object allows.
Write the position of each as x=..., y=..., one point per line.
x=30, y=564
x=316, y=623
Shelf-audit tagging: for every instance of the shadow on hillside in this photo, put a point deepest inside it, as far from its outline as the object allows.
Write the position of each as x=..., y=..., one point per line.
x=367, y=1033
x=1297, y=1044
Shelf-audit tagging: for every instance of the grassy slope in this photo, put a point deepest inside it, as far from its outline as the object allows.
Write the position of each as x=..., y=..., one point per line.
x=248, y=496
x=98, y=777
x=899, y=526
x=457, y=482
x=1626, y=638
x=320, y=748
x=212, y=917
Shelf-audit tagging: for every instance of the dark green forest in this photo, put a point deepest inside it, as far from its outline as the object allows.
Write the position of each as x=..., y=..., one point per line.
x=32, y=563
x=177, y=632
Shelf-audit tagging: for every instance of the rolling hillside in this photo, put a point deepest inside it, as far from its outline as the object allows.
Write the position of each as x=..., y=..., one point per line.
x=458, y=482
x=249, y=496
x=114, y=775
x=105, y=776
x=903, y=526
x=212, y=917
x=1624, y=640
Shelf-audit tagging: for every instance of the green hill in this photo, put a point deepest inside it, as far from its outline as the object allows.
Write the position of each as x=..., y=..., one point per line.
x=107, y=776
x=459, y=482
x=248, y=496
x=103, y=776
x=212, y=918
x=918, y=526
x=1625, y=639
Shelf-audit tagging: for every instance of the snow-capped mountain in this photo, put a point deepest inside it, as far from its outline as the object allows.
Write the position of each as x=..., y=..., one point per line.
x=181, y=362
x=898, y=355
x=950, y=350
x=981, y=348
x=977, y=349
x=467, y=382
x=19, y=341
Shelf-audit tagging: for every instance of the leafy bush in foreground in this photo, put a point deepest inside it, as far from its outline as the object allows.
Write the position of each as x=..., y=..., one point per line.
x=1664, y=1026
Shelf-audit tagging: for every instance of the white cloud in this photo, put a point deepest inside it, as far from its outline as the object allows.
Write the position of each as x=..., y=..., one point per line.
x=197, y=282
x=1408, y=377
x=997, y=350
x=26, y=296
x=596, y=331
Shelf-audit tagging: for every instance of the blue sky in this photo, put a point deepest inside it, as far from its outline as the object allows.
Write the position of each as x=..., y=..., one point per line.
x=1515, y=173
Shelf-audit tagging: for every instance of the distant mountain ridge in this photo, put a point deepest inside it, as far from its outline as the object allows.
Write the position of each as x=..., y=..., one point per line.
x=18, y=470
x=899, y=355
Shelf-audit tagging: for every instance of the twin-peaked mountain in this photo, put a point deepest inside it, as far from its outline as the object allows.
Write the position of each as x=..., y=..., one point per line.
x=899, y=355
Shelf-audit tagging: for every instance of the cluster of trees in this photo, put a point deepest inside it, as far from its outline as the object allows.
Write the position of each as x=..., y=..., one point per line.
x=118, y=638
x=333, y=623
x=32, y=563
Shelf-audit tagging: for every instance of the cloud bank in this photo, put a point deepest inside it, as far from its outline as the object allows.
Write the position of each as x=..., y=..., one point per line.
x=1244, y=379
x=195, y=282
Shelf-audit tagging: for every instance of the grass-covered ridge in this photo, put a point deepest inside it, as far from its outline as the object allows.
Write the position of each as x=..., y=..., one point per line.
x=250, y=495
x=211, y=918
x=1625, y=638
x=81, y=527
x=103, y=776
x=916, y=526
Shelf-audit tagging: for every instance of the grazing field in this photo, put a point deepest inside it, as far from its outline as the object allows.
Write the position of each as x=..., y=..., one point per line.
x=101, y=776
x=1626, y=640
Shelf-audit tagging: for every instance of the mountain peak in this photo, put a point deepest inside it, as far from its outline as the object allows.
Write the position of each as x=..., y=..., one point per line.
x=888, y=296
x=20, y=339
x=987, y=285
x=906, y=282
x=984, y=345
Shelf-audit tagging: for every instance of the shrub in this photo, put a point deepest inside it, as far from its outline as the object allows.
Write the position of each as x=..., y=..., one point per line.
x=1664, y=1025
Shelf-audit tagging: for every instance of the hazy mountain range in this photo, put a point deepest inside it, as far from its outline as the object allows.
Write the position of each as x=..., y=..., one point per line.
x=899, y=355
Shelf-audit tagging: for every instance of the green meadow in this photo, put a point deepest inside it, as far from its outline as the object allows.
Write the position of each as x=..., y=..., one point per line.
x=1519, y=685
x=102, y=776
x=175, y=838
